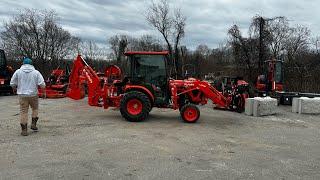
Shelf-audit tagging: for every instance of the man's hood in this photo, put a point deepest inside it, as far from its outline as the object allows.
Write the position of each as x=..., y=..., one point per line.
x=27, y=68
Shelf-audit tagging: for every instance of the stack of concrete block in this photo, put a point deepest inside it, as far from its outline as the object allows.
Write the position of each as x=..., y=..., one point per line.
x=261, y=106
x=306, y=105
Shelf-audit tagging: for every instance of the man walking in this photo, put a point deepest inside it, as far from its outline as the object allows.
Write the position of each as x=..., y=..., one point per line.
x=26, y=80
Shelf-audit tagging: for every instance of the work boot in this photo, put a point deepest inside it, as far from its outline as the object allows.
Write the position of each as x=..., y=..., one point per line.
x=34, y=124
x=24, y=129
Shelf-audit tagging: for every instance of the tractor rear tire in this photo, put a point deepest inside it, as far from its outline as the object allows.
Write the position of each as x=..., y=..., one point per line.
x=135, y=106
x=190, y=113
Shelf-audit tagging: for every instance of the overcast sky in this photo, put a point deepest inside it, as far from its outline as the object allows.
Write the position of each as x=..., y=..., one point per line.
x=207, y=23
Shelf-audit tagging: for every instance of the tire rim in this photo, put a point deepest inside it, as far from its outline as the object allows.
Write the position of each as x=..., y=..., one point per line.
x=134, y=106
x=190, y=114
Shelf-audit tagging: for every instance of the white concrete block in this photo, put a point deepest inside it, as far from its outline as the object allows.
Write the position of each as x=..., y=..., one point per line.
x=249, y=106
x=264, y=106
x=295, y=105
x=309, y=106
x=299, y=103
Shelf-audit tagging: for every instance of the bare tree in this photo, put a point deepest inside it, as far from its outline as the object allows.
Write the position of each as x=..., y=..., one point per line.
x=89, y=50
x=297, y=48
x=279, y=39
x=36, y=34
x=259, y=28
x=114, y=44
x=279, y=32
x=297, y=41
x=171, y=26
x=316, y=43
x=201, y=56
x=159, y=17
x=244, y=51
x=93, y=52
x=179, y=22
x=118, y=44
x=144, y=43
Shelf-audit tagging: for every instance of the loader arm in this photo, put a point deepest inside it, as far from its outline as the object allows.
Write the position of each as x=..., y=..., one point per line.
x=82, y=74
x=213, y=94
x=180, y=87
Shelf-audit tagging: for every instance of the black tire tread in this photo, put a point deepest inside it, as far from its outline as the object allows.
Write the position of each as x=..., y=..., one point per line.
x=185, y=107
x=145, y=103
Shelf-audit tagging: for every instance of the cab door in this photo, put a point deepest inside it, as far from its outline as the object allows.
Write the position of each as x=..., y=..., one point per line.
x=150, y=71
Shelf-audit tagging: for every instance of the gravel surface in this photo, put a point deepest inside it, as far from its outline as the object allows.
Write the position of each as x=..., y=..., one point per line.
x=76, y=141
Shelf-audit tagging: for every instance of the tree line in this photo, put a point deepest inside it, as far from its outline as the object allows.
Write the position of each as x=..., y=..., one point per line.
x=38, y=35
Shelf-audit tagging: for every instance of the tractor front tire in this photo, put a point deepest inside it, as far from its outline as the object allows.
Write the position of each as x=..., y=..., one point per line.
x=240, y=104
x=190, y=113
x=135, y=106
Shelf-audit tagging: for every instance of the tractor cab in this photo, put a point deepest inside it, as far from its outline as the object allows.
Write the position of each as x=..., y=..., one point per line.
x=272, y=79
x=149, y=69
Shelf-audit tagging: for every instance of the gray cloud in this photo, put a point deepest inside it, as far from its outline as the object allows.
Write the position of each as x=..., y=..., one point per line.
x=207, y=23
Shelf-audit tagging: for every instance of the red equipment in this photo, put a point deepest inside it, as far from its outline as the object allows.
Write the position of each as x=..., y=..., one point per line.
x=147, y=85
x=272, y=80
x=6, y=73
x=271, y=83
x=57, y=83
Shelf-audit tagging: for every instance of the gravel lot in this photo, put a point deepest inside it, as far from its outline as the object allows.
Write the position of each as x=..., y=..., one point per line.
x=77, y=141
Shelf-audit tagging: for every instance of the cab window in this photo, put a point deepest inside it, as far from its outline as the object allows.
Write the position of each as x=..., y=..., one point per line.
x=151, y=67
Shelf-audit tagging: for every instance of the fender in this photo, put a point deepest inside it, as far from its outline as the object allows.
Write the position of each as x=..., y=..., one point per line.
x=139, y=88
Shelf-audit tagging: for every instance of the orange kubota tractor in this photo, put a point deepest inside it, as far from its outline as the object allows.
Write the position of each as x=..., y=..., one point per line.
x=147, y=84
x=6, y=73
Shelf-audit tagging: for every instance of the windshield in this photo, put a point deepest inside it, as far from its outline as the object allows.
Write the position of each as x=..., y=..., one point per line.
x=151, y=67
